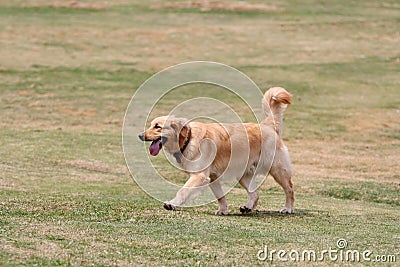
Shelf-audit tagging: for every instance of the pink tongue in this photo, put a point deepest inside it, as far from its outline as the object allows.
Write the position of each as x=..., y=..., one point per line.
x=155, y=147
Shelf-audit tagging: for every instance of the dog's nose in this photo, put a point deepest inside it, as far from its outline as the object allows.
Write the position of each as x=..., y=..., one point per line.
x=141, y=136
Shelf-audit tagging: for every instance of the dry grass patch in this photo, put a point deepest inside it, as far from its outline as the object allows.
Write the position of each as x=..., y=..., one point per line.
x=219, y=6
x=347, y=161
x=367, y=123
x=95, y=166
x=77, y=5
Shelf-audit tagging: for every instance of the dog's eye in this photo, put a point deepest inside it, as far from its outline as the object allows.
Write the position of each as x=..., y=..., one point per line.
x=157, y=126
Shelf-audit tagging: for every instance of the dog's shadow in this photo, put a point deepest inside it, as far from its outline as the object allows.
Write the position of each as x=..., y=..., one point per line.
x=277, y=214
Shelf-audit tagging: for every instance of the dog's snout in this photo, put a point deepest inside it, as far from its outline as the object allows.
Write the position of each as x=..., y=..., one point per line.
x=141, y=136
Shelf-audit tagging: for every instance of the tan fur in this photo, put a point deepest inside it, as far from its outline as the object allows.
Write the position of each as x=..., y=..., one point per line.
x=229, y=140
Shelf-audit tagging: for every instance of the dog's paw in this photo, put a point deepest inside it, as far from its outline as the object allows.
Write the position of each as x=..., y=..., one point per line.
x=221, y=212
x=286, y=210
x=169, y=206
x=244, y=209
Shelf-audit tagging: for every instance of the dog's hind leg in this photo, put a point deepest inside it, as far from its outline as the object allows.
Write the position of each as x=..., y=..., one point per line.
x=219, y=194
x=196, y=183
x=251, y=204
x=282, y=174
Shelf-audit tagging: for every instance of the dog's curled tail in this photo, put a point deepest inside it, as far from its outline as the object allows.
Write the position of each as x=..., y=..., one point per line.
x=274, y=104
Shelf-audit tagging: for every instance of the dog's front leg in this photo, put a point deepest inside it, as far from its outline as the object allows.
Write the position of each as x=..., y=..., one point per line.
x=193, y=187
x=220, y=195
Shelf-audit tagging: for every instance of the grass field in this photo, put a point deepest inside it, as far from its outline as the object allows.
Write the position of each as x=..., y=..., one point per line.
x=69, y=69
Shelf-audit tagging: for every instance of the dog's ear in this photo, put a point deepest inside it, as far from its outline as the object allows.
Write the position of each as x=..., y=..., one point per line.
x=181, y=128
x=183, y=135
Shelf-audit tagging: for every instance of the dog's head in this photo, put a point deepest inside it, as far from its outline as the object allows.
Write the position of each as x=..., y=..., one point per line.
x=168, y=132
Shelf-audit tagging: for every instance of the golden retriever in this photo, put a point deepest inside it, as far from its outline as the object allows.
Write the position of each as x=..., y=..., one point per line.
x=225, y=152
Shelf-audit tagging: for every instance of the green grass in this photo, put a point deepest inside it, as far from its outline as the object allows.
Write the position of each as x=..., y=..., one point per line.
x=370, y=192
x=68, y=74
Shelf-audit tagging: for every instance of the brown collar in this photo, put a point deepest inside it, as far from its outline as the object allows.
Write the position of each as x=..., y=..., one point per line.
x=187, y=139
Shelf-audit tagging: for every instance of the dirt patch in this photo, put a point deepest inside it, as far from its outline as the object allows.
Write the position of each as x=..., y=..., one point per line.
x=86, y=113
x=88, y=165
x=94, y=166
x=218, y=6
x=366, y=122
x=380, y=4
x=78, y=5
x=345, y=161
x=32, y=93
x=25, y=93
